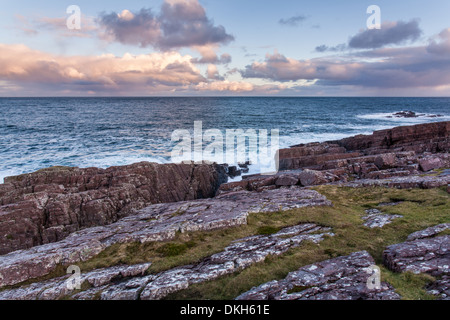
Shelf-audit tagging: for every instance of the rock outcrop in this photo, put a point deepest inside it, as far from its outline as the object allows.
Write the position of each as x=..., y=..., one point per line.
x=59, y=287
x=158, y=222
x=424, y=252
x=423, y=255
x=47, y=205
x=342, y=278
x=131, y=284
x=400, y=151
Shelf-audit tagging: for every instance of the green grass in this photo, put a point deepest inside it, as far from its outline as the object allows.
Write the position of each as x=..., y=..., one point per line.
x=420, y=209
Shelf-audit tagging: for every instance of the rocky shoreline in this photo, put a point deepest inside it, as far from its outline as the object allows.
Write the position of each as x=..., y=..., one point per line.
x=63, y=216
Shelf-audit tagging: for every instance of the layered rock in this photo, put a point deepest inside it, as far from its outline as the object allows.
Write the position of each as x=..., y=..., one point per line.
x=342, y=278
x=47, y=205
x=424, y=252
x=119, y=283
x=158, y=222
x=62, y=286
x=400, y=151
x=423, y=255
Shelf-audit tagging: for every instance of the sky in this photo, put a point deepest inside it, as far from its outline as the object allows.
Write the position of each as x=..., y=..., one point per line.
x=224, y=48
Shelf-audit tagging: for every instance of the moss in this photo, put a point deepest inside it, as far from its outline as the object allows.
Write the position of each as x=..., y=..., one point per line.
x=267, y=230
x=409, y=285
x=175, y=249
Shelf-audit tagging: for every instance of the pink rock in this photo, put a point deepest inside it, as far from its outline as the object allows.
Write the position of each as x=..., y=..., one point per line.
x=428, y=164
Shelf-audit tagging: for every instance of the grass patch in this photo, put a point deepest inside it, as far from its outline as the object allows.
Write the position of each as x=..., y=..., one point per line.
x=409, y=285
x=175, y=249
x=267, y=230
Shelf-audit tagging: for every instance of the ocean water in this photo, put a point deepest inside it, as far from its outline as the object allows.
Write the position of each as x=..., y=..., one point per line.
x=37, y=133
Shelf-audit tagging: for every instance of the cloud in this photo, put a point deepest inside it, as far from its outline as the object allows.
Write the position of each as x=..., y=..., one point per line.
x=384, y=68
x=277, y=67
x=391, y=33
x=181, y=23
x=213, y=73
x=27, y=72
x=33, y=26
x=108, y=73
x=442, y=45
x=293, y=21
x=209, y=55
x=325, y=48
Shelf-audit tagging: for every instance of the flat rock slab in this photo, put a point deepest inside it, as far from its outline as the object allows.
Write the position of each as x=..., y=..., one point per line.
x=423, y=252
x=377, y=219
x=57, y=288
x=112, y=283
x=414, y=181
x=431, y=255
x=428, y=232
x=342, y=278
x=159, y=222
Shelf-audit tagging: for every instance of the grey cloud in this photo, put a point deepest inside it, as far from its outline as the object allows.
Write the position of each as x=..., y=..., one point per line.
x=389, y=34
x=223, y=59
x=143, y=29
x=293, y=21
x=418, y=67
x=441, y=47
x=325, y=48
x=179, y=24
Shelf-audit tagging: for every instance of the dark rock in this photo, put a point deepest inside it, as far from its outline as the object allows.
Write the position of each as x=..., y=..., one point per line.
x=233, y=171
x=286, y=180
x=405, y=114
x=311, y=178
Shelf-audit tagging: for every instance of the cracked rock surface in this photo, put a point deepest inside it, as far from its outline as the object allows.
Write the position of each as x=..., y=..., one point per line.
x=57, y=288
x=236, y=257
x=424, y=252
x=158, y=222
x=342, y=278
x=377, y=219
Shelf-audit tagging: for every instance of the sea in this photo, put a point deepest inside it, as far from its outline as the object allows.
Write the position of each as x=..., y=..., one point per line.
x=37, y=133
